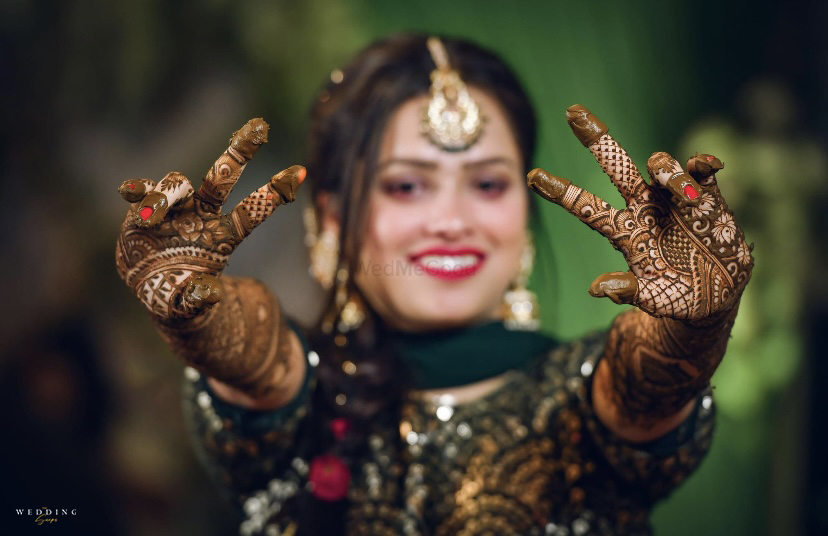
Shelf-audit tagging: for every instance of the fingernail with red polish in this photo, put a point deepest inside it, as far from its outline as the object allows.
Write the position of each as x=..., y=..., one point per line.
x=145, y=213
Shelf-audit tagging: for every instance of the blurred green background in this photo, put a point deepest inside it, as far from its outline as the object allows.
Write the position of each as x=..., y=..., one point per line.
x=95, y=92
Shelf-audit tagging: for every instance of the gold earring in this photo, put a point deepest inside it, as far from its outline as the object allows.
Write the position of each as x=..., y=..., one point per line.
x=350, y=306
x=520, y=305
x=323, y=250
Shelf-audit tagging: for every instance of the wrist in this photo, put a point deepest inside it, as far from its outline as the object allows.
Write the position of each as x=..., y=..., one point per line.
x=711, y=327
x=241, y=341
x=276, y=390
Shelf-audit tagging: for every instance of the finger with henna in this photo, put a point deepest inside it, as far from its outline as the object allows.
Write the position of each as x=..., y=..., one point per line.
x=201, y=291
x=666, y=171
x=134, y=190
x=620, y=287
x=613, y=159
x=586, y=127
x=548, y=186
x=577, y=201
x=173, y=188
x=702, y=166
x=220, y=179
x=258, y=206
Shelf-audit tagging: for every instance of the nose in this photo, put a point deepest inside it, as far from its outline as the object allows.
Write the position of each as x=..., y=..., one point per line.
x=449, y=218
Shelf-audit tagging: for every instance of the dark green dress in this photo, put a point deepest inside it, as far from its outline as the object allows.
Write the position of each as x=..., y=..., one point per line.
x=530, y=458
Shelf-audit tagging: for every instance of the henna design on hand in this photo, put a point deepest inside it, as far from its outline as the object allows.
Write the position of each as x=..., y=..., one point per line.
x=171, y=234
x=658, y=365
x=173, y=246
x=687, y=256
x=688, y=260
x=243, y=342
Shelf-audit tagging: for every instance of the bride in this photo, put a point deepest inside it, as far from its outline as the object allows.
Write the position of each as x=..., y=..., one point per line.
x=425, y=401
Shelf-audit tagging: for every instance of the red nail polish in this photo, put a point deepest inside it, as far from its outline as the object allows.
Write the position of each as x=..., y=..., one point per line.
x=145, y=213
x=690, y=192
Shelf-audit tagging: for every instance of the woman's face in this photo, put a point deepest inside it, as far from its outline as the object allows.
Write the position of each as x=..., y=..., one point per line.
x=445, y=230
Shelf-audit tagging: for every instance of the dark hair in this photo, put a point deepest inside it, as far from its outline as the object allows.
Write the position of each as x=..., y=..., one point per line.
x=348, y=121
x=349, y=117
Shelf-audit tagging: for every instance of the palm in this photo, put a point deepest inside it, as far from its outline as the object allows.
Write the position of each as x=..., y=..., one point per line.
x=687, y=257
x=174, y=242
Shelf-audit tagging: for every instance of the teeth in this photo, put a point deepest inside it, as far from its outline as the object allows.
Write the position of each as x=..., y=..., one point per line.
x=448, y=262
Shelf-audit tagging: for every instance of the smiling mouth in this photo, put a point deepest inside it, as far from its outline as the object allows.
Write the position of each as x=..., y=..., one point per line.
x=450, y=266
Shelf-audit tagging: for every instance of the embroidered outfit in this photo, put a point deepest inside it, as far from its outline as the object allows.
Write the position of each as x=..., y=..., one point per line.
x=529, y=458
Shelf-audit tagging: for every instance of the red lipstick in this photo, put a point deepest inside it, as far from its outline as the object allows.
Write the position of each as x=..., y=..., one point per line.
x=449, y=263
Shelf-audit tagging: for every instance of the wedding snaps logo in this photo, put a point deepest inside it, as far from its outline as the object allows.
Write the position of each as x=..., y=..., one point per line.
x=46, y=515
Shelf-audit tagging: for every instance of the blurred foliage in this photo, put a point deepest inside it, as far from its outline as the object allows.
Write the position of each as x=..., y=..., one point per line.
x=773, y=181
x=776, y=184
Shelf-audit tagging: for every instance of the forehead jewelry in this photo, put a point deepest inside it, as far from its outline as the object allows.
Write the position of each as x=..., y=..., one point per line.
x=452, y=120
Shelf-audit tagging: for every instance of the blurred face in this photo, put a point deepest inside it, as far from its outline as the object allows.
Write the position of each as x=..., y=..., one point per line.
x=445, y=229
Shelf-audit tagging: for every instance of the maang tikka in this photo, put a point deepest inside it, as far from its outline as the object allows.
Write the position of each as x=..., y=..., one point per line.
x=452, y=119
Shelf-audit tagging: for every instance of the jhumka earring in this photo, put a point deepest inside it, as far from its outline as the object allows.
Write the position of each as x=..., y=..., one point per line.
x=520, y=305
x=452, y=120
x=349, y=304
x=323, y=250
x=349, y=312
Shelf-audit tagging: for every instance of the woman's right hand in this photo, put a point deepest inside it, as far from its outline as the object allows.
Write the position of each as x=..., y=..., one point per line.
x=174, y=242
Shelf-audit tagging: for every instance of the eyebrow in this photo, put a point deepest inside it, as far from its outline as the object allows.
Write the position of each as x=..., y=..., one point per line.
x=490, y=161
x=430, y=165
x=423, y=164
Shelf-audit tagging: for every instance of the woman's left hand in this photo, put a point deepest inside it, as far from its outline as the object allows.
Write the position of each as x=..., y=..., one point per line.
x=687, y=255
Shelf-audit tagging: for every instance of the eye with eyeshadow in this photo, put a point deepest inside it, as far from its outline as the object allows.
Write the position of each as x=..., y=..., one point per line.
x=491, y=186
x=403, y=187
